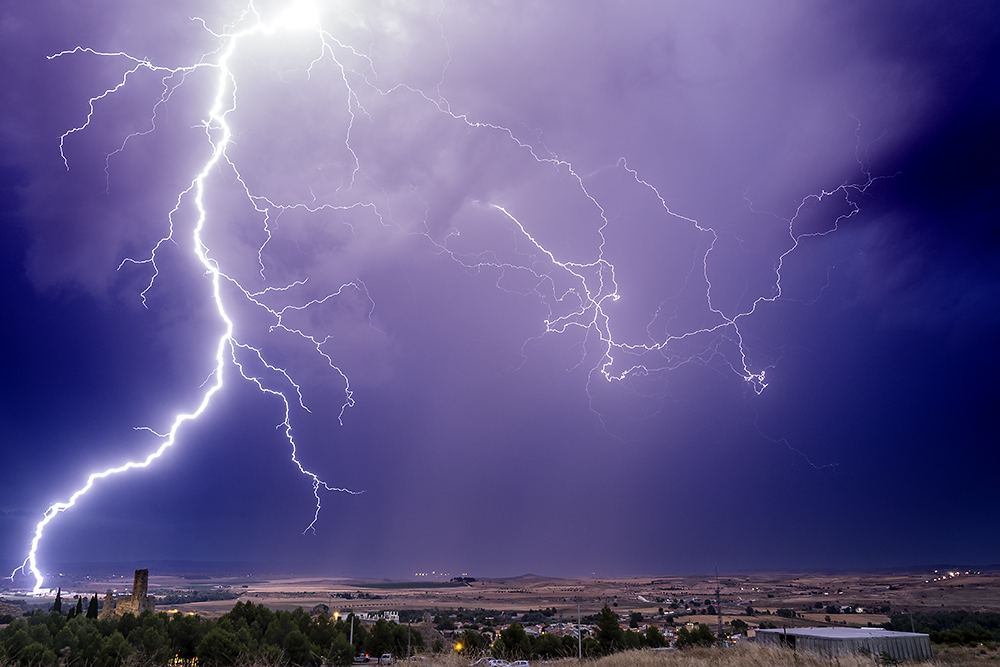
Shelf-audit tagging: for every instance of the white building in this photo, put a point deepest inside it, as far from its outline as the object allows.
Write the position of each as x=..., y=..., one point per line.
x=839, y=641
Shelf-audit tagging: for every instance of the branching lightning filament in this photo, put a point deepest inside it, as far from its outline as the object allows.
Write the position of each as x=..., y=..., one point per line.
x=575, y=294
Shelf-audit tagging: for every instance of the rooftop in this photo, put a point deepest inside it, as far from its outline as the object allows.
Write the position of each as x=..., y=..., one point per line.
x=843, y=633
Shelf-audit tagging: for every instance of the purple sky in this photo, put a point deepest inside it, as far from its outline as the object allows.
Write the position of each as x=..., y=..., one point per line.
x=433, y=184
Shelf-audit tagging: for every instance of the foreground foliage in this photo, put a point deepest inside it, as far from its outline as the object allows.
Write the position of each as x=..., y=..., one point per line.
x=247, y=633
x=744, y=655
x=513, y=643
x=956, y=628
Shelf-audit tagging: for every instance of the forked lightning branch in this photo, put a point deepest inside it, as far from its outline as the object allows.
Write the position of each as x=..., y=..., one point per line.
x=576, y=294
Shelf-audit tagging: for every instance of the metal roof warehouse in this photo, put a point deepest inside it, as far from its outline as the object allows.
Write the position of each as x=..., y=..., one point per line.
x=838, y=641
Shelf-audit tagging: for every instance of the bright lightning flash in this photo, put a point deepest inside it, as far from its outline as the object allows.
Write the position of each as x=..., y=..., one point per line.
x=576, y=294
x=301, y=16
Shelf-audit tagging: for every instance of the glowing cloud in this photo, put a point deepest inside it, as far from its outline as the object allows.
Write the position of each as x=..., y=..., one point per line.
x=264, y=190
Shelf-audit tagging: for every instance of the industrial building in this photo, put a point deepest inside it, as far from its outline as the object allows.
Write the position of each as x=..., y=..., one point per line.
x=839, y=641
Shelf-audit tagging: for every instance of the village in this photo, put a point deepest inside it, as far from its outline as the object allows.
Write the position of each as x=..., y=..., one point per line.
x=546, y=617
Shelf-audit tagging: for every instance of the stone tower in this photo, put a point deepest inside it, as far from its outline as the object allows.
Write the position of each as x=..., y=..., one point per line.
x=136, y=603
x=108, y=610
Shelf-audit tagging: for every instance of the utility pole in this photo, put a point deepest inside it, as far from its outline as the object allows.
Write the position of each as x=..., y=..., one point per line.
x=407, y=640
x=352, y=629
x=579, y=633
x=718, y=602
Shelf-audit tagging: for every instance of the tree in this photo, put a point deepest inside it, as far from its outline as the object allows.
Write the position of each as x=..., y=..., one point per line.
x=185, y=633
x=218, y=648
x=114, y=650
x=512, y=643
x=404, y=639
x=298, y=649
x=632, y=640
x=635, y=619
x=750, y=611
x=739, y=626
x=65, y=640
x=150, y=640
x=380, y=640
x=655, y=638
x=700, y=636
x=360, y=635
x=57, y=605
x=711, y=610
x=549, y=645
x=472, y=642
x=79, y=606
x=609, y=633
x=341, y=651
x=322, y=631
x=35, y=653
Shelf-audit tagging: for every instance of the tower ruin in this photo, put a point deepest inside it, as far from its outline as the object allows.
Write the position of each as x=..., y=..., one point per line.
x=136, y=603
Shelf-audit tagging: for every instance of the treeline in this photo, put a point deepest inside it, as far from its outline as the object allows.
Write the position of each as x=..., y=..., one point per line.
x=470, y=618
x=248, y=632
x=480, y=618
x=170, y=597
x=513, y=643
x=961, y=628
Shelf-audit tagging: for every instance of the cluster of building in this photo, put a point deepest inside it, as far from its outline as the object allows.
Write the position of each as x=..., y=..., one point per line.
x=560, y=629
x=829, y=642
x=369, y=617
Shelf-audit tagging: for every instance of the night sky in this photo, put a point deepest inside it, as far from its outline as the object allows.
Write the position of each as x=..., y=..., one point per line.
x=556, y=249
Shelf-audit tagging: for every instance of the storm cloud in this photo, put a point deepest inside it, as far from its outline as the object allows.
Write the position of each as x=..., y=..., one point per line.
x=565, y=287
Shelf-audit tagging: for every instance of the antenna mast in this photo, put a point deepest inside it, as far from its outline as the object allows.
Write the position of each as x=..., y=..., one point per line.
x=718, y=602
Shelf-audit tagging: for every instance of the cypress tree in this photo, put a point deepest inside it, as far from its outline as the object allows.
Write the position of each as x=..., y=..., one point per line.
x=79, y=605
x=57, y=605
x=92, y=607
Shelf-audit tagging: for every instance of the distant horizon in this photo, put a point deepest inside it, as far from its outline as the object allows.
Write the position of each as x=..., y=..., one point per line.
x=224, y=568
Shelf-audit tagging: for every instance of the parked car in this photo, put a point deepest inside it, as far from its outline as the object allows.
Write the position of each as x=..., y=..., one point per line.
x=386, y=659
x=520, y=663
x=362, y=657
x=487, y=661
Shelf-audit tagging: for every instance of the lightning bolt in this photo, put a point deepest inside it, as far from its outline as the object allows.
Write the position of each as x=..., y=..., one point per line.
x=229, y=349
x=575, y=293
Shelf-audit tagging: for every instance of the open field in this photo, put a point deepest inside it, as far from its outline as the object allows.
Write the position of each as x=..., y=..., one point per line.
x=918, y=591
